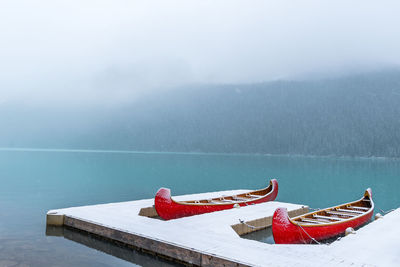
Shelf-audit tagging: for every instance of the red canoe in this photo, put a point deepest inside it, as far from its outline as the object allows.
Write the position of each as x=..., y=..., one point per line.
x=167, y=208
x=321, y=224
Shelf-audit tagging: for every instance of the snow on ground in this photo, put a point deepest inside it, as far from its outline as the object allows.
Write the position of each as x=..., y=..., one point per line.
x=377, y=244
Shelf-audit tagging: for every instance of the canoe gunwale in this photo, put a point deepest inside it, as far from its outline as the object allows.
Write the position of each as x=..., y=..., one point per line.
x=270, y=189
x=168, y=209
x=366, y=213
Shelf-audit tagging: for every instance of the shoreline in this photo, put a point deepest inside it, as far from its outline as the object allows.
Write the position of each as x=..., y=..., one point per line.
x=234, y=154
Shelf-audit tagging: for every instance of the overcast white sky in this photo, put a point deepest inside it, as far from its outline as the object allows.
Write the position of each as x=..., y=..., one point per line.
x=96, y=51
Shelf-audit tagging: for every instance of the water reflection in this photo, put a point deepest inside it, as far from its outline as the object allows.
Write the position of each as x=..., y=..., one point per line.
x=115, y=249
x=264, y=235
x=34, y=182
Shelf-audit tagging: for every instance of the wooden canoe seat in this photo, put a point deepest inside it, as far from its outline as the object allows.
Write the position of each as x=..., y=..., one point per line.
x=318, y=219
x=328, y=218
x=356, y=207
x=351, y=211
x=225, y=200
x=307, y=220
x=253, y=196
x=240, y=198
x=341, y=213
x=217, y=202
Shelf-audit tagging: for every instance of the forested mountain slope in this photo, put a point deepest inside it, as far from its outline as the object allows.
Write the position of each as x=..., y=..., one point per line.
x=356, y=115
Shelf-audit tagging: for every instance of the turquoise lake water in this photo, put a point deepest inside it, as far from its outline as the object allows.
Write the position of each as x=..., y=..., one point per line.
x=32, y=182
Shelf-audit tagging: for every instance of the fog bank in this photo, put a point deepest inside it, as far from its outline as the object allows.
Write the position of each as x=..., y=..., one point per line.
x=107, y=52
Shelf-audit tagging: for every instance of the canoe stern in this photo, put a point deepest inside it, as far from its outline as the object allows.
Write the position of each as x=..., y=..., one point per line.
x=163, y=202
x=368, y=193
x=283, y=230
x=275, y=189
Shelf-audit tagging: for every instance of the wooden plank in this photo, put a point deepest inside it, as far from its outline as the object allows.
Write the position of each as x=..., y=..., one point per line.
x=226, y=200
x=341, y=213
x=241, y=198
x=352, y=211
x=311, y=221
x=355, y=207
x=265, y=222
x=329, y=218
x=55, y=219
x=152, y=246
x=148, y=212
x=253, y=196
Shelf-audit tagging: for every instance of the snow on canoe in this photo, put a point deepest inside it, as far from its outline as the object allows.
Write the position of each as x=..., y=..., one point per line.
x=167, y=208
x=321, y=224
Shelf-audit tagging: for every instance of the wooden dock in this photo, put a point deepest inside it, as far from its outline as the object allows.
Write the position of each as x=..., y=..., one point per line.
x=204, y=240
x=133, y=223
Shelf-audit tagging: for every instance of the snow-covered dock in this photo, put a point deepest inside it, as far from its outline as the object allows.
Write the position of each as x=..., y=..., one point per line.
x=213, y=239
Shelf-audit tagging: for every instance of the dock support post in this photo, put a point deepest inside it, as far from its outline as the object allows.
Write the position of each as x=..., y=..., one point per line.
x=55, y=219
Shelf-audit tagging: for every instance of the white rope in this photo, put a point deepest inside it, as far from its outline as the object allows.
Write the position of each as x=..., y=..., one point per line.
x=312, y=238
x=251, y=226
x=319, y=243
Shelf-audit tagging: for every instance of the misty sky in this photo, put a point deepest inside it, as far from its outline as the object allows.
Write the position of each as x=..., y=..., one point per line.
x=111, y=51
